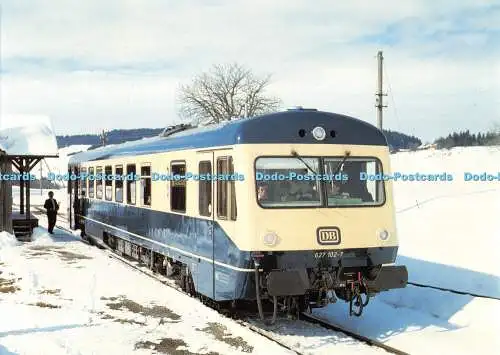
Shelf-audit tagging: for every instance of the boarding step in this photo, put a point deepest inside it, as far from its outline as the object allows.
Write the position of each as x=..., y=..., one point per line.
x=23, y=227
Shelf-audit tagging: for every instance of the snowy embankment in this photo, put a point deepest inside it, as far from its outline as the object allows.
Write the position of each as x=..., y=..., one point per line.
x=449, y=231
x=449, y=237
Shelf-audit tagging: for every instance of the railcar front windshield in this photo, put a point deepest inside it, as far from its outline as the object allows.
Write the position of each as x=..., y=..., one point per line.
x=293, y=182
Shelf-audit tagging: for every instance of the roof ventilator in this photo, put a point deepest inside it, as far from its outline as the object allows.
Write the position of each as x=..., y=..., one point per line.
x=300, y=108
x=175, y=129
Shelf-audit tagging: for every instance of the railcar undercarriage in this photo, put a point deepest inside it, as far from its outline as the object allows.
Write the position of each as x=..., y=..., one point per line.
x=303, y=290
x=289, y=292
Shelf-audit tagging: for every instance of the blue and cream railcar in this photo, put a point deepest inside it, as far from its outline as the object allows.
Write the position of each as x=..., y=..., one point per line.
x=286, y=213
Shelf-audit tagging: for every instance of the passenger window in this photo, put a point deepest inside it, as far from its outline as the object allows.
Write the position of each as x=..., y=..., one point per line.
x=146, y=185
x=205, y=189
x=68, y=187
x=119, y=183
x=131, y=184
x=91, y=182
x=178, y=187
x=226, y=194
x=98, y=182
x=108, y=183
x=77, y=182
x=83, y=182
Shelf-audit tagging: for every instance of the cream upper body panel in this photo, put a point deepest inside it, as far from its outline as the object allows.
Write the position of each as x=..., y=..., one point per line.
x=296, y=228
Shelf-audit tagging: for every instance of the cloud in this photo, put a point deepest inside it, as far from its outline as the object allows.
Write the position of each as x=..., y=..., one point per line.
x=118, y=63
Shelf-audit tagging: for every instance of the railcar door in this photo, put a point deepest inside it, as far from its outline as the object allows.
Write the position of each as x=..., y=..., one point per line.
x=69, y=199
x=73, y=187
x=206, y=212
x=226, y=274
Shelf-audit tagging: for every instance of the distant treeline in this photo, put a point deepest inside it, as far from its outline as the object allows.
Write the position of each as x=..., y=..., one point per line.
x=115, y=136
x=466, y=139
x=396, y=140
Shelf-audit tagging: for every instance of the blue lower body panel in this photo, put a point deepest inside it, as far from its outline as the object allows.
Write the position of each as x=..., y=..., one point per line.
x=186, y=239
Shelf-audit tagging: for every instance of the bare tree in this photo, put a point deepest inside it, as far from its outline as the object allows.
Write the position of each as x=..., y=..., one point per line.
x=226, y=91
x=103, y=137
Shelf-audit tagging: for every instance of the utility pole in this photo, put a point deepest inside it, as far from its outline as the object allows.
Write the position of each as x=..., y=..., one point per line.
x=379, y=101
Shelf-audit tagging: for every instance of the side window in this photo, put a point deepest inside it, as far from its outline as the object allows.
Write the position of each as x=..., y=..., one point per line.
x=98, y=182
x=108, y=183
x=68, y=186
x=119, y=183
x=77, y=182
x=83, y=182
x=226, y=194
x=205, y=189
x=178, y=187
x=146, y=185
x=91, y=182
x=131, y=184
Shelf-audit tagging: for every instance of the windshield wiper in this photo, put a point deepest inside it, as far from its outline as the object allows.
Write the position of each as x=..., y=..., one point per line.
x=296, y=155
x=337, y=169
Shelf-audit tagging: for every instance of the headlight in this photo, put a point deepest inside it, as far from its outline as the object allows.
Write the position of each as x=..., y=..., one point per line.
x=383, y=234
x=271, y=239
x=319, y=133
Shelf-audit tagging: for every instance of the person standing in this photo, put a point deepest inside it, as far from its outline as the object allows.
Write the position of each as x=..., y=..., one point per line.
x=52, y=207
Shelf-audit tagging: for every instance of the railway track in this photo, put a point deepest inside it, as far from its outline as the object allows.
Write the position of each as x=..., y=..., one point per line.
x=312, y=319
x=308, y=318
x=453, y=291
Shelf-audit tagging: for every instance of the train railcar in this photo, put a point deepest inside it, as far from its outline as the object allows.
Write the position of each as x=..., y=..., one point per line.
x=287, y=207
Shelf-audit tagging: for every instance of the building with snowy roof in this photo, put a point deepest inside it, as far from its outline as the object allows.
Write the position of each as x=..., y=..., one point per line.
x=24, y=141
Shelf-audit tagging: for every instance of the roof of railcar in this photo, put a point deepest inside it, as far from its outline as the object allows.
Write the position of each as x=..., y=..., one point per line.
x=275, y=128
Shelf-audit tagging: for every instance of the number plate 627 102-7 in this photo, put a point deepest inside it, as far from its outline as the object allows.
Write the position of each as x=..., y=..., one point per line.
x=328, y=254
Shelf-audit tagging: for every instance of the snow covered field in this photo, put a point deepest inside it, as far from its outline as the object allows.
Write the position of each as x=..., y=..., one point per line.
x=449, y=234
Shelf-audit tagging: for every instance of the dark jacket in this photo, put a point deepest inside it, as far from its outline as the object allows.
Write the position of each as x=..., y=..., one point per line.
x=48, y=205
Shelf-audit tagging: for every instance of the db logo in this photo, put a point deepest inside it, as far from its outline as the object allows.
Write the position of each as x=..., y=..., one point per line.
x=328, y=235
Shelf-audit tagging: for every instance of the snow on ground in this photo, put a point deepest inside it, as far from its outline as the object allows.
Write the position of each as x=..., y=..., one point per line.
x=450, y=231
x=7, y=240
x=61, y=296
x=450, y=237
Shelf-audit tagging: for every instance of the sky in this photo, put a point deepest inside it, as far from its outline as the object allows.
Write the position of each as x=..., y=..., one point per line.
x=92, y=65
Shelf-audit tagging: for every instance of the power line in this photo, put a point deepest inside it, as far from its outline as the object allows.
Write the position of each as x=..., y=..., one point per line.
x=392, y=96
